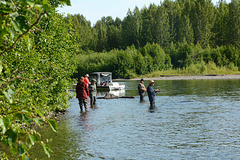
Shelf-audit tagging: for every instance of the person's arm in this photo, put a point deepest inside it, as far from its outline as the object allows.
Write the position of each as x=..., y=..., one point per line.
x=142, y=87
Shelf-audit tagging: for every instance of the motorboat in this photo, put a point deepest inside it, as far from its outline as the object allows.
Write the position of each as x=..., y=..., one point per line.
x=104, y=81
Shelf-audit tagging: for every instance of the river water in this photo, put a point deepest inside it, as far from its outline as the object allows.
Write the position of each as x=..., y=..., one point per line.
x=193, y=119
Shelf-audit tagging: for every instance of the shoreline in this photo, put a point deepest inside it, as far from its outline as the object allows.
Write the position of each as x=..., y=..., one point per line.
x=175, y=77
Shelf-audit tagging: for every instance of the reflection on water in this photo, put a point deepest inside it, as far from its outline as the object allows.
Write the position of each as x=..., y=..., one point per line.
x=194, y=119
x=118, y=93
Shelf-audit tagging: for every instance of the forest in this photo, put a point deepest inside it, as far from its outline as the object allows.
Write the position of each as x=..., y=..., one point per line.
x=175, y=35
x=42, y=51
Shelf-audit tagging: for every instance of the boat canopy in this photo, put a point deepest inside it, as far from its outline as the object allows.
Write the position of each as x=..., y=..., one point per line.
x=102, y=78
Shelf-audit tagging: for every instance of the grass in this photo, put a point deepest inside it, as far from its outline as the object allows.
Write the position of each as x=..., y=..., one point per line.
x=197, y=69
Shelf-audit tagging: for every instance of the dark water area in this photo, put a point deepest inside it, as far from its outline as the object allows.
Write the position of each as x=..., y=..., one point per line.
x=193, y=119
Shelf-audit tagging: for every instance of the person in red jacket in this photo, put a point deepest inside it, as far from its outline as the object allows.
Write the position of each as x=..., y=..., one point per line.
x=82, y=93
x=86, y=80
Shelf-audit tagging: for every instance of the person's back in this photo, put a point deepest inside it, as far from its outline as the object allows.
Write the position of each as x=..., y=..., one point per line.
x=82, y=93
x=81, y=90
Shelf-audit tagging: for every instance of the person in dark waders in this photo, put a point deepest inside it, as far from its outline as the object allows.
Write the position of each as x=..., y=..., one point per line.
x=82, y=93
x=151, y=93
x=141, y=90
x=93, y=92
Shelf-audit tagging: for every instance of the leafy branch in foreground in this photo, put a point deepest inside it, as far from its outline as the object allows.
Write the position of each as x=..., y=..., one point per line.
x=36, y=63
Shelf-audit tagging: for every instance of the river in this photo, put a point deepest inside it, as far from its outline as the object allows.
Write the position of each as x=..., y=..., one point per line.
x=193, y=119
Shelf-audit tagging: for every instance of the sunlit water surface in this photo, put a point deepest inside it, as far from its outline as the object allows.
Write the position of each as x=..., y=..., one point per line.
x=193, y=119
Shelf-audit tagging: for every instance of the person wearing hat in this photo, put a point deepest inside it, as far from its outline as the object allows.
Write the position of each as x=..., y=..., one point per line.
x=82, y=93
x=141, y=89
x=151, y=93
x=86, y=80
x=93, y=92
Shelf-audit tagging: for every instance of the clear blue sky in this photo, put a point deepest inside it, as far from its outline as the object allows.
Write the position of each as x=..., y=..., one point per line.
x=94, y=10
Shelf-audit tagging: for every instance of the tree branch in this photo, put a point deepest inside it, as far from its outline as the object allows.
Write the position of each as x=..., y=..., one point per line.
x=32, y=80
x=18, y=77
x=20, y=36
x=4, y=85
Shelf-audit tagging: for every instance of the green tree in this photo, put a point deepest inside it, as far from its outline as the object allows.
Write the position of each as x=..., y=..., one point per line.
x=36, y=63
x=185, y=33
x=220, y=29
x=157, y=54
x=148, y=23
x=161, y=34
x=185, y=55
x=234, y=23
x=82, y=29
x=132, y=28
x=202, y=18
x=101, y=35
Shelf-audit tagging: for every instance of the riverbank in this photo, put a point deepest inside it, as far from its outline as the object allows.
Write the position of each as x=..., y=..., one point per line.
x=172, y=77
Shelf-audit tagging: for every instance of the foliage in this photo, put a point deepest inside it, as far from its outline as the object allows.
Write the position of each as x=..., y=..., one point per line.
x=125, y=63
x=35, y=67
x=185, y=58
x=196, y=22
x=178, y=34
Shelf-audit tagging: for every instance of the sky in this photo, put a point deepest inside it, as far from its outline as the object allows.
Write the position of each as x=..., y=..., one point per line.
x=94, y=10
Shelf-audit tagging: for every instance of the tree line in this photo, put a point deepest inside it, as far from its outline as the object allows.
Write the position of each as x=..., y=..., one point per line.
x=132, y=62
x=192, y=21
x=186, y=31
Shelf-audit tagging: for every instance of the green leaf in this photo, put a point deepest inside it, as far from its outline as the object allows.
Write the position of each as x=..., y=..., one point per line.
x=3, y=33
x=38, y=112
x=38, y=121
x=26, y=119
x=13, y=149
x=10, y=91
x=11, y=137
x=1, y=67
x=25, y=157
x=30, y=3
x=67, y=2
x=9, y=95
x=20, y=24
x=45, y=5
x=11, y=34
x=30, y=43
x=21, y=151
x=3, y=2
x=47, y=149
x=24, y=147
x=4, y=122
x=33, y=138
x=16, y=26
x=53, y=125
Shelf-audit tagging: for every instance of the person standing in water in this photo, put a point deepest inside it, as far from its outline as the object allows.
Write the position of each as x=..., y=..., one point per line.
x=151, y=93
x=82, y=93
x=93, y=92
x=141, y=90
